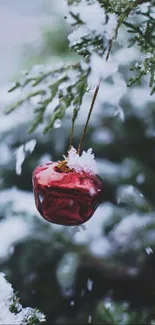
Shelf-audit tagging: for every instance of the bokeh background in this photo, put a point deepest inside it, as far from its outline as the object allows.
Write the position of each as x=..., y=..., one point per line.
x=78, y=274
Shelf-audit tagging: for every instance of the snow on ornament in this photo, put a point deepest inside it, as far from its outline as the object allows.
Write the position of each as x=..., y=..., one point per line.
x=68, y=192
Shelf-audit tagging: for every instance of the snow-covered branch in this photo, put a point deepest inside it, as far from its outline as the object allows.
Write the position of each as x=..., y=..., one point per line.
x=11, y=311
x=95, y=24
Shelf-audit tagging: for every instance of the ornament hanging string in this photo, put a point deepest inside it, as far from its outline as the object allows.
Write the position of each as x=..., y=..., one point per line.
x=88, y=118
x=71, y=132
x=90, y=110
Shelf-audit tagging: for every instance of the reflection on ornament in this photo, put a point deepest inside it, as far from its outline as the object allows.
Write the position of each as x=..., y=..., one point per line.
x=67, y=197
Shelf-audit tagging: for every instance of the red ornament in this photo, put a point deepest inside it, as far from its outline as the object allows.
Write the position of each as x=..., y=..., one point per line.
x=66, y=198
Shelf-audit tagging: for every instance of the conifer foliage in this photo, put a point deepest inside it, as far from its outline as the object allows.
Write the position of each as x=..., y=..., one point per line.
x=109, y=278
x=95, y=27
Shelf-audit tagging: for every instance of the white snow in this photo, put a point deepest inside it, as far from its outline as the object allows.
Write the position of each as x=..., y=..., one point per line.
x=57, y=123
x=5, y=153
x=6, y=299
x=131, y=195
x=9, y=201
x=72, y=303
x=22, y=152
x=45, y=158
x=112, y=93
x=6, y=291
x=87, y=13
x=101, y=69
x=66, y=269
x=89, y=319
x=144, y=7
x=140, y=97
x=111, y=26
x=140, y=178
x=120, y=113
x=93, y=235
x=149, y=250
x=98, y=26
x=100, y=247
x=11, y=230
x=128, y=232
x=108, y=169
x=102, y=135
x=126, y=55
x=20, y=30
x=148, y=55
x=89, y=284
x=85, y=162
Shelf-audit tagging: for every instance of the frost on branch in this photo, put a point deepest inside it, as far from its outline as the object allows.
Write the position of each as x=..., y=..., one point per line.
x=11, y=311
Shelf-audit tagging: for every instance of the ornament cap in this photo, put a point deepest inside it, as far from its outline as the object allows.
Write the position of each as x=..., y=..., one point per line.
x=62, y=167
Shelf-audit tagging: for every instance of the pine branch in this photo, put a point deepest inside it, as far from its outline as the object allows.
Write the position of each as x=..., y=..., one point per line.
x=86, y=39
x=66, y=84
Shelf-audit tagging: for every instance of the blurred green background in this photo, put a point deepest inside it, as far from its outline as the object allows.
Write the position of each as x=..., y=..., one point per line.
x=79, y=274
